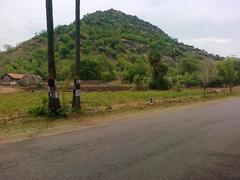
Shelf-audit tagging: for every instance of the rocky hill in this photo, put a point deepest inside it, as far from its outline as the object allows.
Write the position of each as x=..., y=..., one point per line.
x=109, y=39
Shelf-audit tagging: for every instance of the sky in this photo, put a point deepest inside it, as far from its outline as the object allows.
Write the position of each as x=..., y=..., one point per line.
x=213, y=25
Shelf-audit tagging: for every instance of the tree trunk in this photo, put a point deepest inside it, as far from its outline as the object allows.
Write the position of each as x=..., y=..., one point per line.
x=54, y=102
x=177, y=73
x=204, y=91
x=76, y=105
x=155, y=73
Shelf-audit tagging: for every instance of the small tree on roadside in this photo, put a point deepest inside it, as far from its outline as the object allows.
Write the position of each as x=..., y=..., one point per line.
x=159, y=68
x=154, y=58
x=207, y=72
x=176, y=55
x=226, y=70
x=161, y=82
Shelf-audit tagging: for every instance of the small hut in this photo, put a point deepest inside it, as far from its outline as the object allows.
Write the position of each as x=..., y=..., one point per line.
x=15, y=79
x=30, y=79
x=11, y=79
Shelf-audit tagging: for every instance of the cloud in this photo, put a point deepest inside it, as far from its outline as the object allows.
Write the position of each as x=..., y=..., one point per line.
x=207, y=40
x=215, y=44
x=212, y=25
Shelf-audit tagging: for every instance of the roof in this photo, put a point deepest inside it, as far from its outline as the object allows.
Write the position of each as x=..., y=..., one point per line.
x=21, y=76
x=15, y=76
x=32, y=77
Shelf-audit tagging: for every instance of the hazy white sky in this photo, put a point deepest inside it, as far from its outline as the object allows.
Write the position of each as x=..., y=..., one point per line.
x=213, y=25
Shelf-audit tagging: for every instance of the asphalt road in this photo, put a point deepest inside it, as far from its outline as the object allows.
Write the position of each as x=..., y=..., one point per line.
x=195, y=143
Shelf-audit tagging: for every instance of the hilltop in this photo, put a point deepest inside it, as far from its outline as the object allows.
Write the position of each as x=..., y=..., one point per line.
x=111, y=40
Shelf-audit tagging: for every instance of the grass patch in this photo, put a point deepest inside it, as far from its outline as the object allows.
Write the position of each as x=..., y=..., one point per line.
x=15, y=119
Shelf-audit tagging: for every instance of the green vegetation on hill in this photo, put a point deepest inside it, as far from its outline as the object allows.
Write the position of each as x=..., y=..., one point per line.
x=114, y=46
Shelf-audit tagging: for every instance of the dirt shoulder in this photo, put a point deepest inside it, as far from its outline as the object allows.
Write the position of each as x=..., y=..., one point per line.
x=8, y=89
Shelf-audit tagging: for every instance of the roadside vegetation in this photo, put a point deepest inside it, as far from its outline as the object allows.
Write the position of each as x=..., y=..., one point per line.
x=16, y=120
x=117, y=48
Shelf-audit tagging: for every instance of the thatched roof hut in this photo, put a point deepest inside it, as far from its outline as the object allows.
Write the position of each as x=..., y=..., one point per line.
x=14, y=79
x=12, y=76
x=30, y=79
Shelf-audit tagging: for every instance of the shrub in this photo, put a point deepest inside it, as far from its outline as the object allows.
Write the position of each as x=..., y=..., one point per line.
x=160, y=84
x=90, y=70
x=108, y=76
x=64, y=51
x=139, y=68
x=43, y=111
x=40, y=85
x=216, y=82
x=141, y=82
x=23, y=84
x=190, y=81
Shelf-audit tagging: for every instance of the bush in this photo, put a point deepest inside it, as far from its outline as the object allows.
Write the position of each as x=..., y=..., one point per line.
x=95, y=68
x=139, y=68
x=90, y=70
x=142, y=83
x=23, y=84
x=161, y=84
x=108, y=76
x=64, y=51
x=190, y=81
x=216, y=82
x=106, y=68
x=43, y=111
x=40, y=85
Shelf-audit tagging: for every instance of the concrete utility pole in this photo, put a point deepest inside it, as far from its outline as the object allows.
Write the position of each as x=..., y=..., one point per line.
x=76, y=104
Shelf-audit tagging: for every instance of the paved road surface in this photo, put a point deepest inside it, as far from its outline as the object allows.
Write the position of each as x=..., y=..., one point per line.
x=195, y=143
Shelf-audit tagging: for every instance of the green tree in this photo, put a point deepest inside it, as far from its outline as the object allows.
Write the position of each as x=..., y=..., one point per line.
x=206, y=73
x=63, y=50
x=226, y=70
x=106, y=68
x=189, y=64
x=161, y=82
x=176, y=54
x=139, y=68
x=154, y=58
x=90, y=70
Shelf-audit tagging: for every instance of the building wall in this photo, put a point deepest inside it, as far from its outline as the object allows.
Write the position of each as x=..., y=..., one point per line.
x=7, y=78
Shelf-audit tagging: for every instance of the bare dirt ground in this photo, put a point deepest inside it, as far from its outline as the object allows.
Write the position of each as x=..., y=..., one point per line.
x=8, y=89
